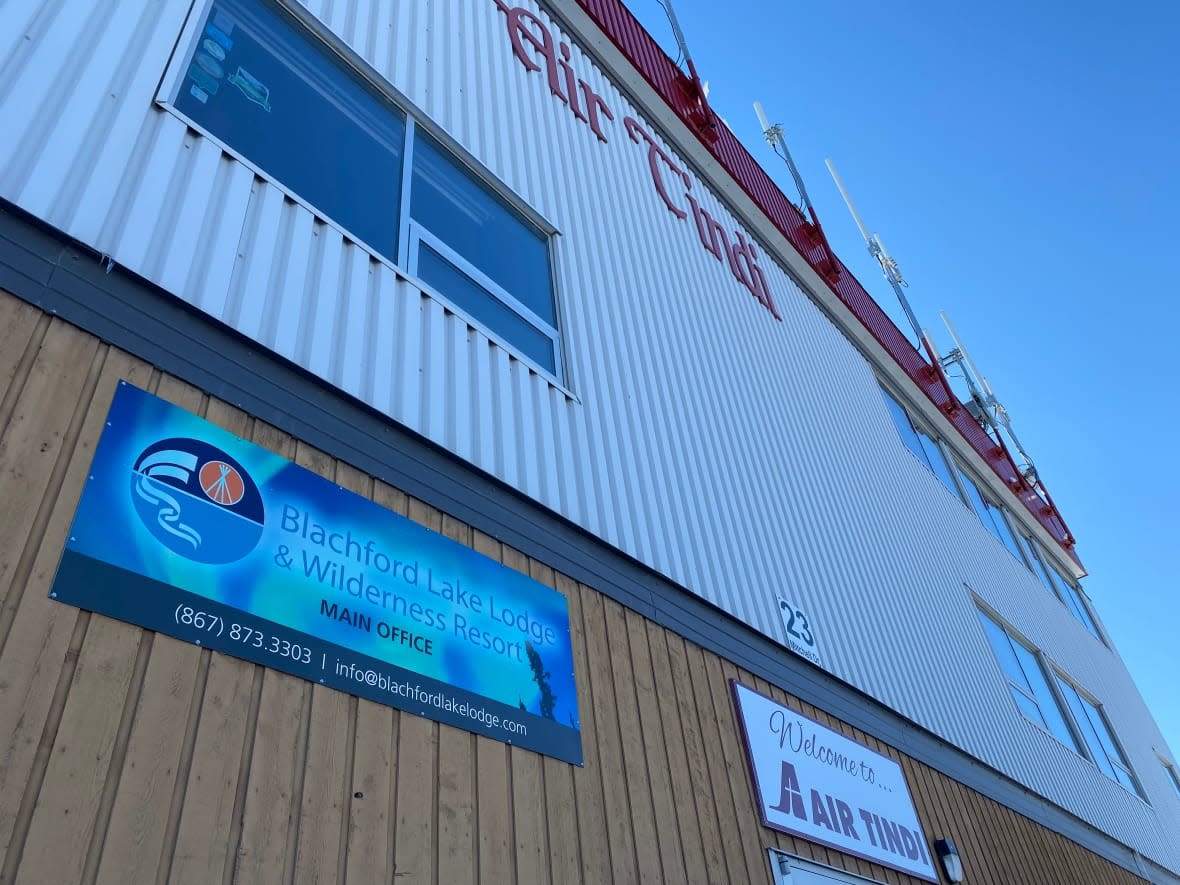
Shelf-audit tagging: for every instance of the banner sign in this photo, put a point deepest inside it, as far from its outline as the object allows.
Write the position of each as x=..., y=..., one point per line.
x=188, y=530
x=817, y=784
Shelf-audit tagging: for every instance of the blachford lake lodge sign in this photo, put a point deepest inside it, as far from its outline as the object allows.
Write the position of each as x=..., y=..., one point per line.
x=187, y=530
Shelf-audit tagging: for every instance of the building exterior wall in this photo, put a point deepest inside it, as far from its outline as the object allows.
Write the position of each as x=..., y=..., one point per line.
x=130, y=756
x=733, y=454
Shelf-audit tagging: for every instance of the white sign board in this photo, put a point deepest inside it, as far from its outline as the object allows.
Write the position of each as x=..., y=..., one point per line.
x=800, y=636
x=815, y=783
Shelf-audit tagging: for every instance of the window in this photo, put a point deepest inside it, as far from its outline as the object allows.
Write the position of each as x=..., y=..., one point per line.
x=1071, y=717
x=991, y=515
x=1100, y=742
x=1172, y=776
x=1073, y=600
x=474, y=248
x=1058, y=585
x=924, y=446
x=1028, y=683
x=256, y=80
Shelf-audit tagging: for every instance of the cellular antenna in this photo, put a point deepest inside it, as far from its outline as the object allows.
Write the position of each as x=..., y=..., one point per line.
x=986, y=409
x=877, y=250
x=774, y=137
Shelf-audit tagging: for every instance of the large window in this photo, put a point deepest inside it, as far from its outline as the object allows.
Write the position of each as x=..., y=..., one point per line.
x=1100, y=742
x=1058, y=585
x=1059, y=706
x=924, y=446
x=990, y=514
x=259, y=82
x=1028, y=682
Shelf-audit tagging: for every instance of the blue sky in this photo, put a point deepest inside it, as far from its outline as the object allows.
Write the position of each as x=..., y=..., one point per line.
x=1022, y=164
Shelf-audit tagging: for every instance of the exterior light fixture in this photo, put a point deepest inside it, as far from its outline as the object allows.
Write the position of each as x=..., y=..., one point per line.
x=948, y=856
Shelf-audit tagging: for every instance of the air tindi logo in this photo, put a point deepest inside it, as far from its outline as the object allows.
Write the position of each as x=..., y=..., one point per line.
x=197, y=501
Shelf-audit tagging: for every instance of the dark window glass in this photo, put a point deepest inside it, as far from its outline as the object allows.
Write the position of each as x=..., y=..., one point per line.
x=1046, y=701
x=474, y=221
x=483, y=307
x=258, y=84
x=272, y=92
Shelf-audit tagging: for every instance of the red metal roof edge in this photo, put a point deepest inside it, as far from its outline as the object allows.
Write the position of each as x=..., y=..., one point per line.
x=653, y=64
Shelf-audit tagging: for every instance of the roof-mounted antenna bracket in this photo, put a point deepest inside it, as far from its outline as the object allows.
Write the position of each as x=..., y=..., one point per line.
x=701, y=116
x=811, y=228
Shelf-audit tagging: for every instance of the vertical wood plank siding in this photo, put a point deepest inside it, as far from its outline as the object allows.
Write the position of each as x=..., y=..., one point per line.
x=733, y=454
x=127, y=756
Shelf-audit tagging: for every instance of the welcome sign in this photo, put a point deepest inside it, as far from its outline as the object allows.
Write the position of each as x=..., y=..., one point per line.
x=815, y=783
x=188, y=530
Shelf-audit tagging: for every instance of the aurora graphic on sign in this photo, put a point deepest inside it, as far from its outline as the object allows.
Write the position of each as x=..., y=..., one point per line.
x=186, y=529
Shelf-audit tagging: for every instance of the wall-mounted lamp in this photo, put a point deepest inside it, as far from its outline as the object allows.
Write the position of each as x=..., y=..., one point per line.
x=948, y=856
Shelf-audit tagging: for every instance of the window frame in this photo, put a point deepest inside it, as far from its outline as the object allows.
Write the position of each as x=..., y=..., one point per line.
x=921, y=435
x=1060, y=586
x=1058, y=683
x=1000, y=529
x=320, y=38
x=1122, y=763
x=1173, y=775
x=1044, y=670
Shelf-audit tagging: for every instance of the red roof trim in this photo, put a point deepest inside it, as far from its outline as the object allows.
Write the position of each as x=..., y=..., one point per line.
x=653, y=64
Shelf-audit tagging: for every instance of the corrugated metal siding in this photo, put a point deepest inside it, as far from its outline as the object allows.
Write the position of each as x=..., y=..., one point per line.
x=733, y=453
x=128, y=756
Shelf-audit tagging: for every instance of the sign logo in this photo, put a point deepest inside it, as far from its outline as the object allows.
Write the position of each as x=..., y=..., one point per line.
x=197, y=501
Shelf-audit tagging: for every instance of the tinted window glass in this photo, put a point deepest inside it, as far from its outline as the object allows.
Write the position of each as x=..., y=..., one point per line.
x=475, y=222
x=1002, y=530
x=484, y=308
x=1099, y=738
x=255, y=82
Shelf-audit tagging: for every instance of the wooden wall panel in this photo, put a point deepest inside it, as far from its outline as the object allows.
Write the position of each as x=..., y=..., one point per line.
x=127, y=756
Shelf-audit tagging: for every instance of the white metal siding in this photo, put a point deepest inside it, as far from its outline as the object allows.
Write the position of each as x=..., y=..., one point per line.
x=735, y=454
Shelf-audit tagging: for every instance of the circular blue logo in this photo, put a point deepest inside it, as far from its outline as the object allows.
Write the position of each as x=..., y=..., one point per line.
x=197, y=501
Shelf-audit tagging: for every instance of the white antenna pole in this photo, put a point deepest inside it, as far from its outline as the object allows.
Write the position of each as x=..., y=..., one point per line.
x=864, y=231
x=877, y=250
x=994, y=412
x=774, y=137
x=974, y=372
x=683, y=45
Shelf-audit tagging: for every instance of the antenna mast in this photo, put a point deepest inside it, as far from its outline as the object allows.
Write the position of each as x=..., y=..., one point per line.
x=774, y=137
x=703, y=118
x=877, y=250
x=984, y=407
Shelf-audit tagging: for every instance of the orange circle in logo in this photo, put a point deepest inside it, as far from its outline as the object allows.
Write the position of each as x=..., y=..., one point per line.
x=222, y=483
